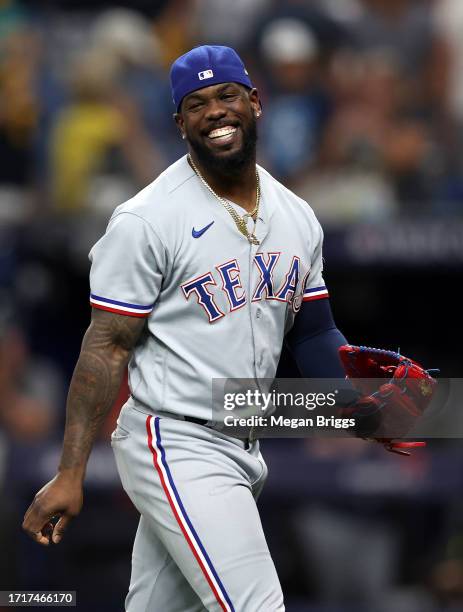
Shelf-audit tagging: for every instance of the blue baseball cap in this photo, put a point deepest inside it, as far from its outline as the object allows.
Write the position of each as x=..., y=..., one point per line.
x=205, y=66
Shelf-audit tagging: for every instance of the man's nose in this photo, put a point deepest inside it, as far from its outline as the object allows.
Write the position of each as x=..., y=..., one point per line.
x=215, y=110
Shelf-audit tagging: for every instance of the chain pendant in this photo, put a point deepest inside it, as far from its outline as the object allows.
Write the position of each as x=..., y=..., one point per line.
x=240, y=222
x=244, y=230
x=253, y=240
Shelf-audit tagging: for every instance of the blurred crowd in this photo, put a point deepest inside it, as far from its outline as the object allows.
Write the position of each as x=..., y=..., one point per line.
x=362, y=116
x=363, y=100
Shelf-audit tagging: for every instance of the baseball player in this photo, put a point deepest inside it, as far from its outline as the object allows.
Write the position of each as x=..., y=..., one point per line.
x=204, y=274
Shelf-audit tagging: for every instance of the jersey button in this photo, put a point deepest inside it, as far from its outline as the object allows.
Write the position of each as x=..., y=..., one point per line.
x=259, y=313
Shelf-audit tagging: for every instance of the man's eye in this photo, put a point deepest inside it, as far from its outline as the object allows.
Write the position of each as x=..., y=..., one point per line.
x=229, y=96
x=196, y=106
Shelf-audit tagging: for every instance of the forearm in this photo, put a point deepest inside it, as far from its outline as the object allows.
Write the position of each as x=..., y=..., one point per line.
x=93, y=390
x=95, y=384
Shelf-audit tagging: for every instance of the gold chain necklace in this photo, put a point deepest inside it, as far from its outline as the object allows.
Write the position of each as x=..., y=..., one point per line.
x=240, y=222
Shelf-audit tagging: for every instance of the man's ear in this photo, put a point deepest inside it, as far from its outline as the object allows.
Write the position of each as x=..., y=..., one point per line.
x=178, y=118
x=255, y=102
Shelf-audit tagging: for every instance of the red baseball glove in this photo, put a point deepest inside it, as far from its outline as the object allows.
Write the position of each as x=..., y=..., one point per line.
x=390, y=411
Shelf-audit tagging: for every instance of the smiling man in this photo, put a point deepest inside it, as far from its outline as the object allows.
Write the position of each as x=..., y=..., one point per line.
x=203, y=274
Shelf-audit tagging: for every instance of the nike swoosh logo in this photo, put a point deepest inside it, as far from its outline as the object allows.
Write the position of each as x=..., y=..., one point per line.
x=199, y=233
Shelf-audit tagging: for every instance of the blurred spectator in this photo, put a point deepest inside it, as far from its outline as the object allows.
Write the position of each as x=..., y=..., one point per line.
x=228, y=23
x=128, y=38
x=406, y=31
x=100, y=154
x=343, y=12
x=377, y=149
x=175, y=27
x=28, y=97
x=126, y=35
x=295, y=114
x=329, y=30
x=404, y=27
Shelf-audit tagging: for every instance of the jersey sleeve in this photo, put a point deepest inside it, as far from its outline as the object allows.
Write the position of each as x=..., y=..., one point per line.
x=128, y=265
x=315, y=288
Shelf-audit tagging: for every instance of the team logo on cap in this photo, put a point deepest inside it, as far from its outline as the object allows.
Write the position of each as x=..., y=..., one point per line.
x=205, y=74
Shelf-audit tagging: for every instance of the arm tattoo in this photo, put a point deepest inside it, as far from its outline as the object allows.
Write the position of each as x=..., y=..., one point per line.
x=105, y=352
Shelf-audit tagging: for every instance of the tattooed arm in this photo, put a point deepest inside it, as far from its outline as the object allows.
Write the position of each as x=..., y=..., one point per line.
x=105, y=352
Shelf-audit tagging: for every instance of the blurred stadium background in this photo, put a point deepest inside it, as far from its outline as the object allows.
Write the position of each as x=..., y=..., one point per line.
x=363, y=116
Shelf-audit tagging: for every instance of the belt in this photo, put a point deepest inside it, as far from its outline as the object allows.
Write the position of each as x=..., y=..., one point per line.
x=191, y=419
x=204, y=423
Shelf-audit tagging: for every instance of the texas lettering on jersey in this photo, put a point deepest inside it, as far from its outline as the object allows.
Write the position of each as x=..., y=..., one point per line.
x=229, y=275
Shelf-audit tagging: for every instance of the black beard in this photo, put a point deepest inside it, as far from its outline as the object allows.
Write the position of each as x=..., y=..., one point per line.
x=228, y=164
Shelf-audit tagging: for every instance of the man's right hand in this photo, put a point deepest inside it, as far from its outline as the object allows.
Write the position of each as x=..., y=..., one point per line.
x=62, y=497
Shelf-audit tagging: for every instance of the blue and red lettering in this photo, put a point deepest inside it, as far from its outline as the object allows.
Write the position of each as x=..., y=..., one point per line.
x=288, y=289
x=231, y=283
x=266, y=275
x=198, y=286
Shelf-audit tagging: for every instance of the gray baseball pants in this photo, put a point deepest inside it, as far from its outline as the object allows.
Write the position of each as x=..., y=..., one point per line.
x=200, y=544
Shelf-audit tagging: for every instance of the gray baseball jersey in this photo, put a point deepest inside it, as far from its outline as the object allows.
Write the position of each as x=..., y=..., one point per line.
x=217, y=306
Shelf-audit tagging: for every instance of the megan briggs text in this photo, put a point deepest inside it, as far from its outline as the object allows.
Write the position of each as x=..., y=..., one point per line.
x=294, y=423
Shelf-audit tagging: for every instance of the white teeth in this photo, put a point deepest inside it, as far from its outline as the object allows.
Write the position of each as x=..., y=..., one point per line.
x=225, y=131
